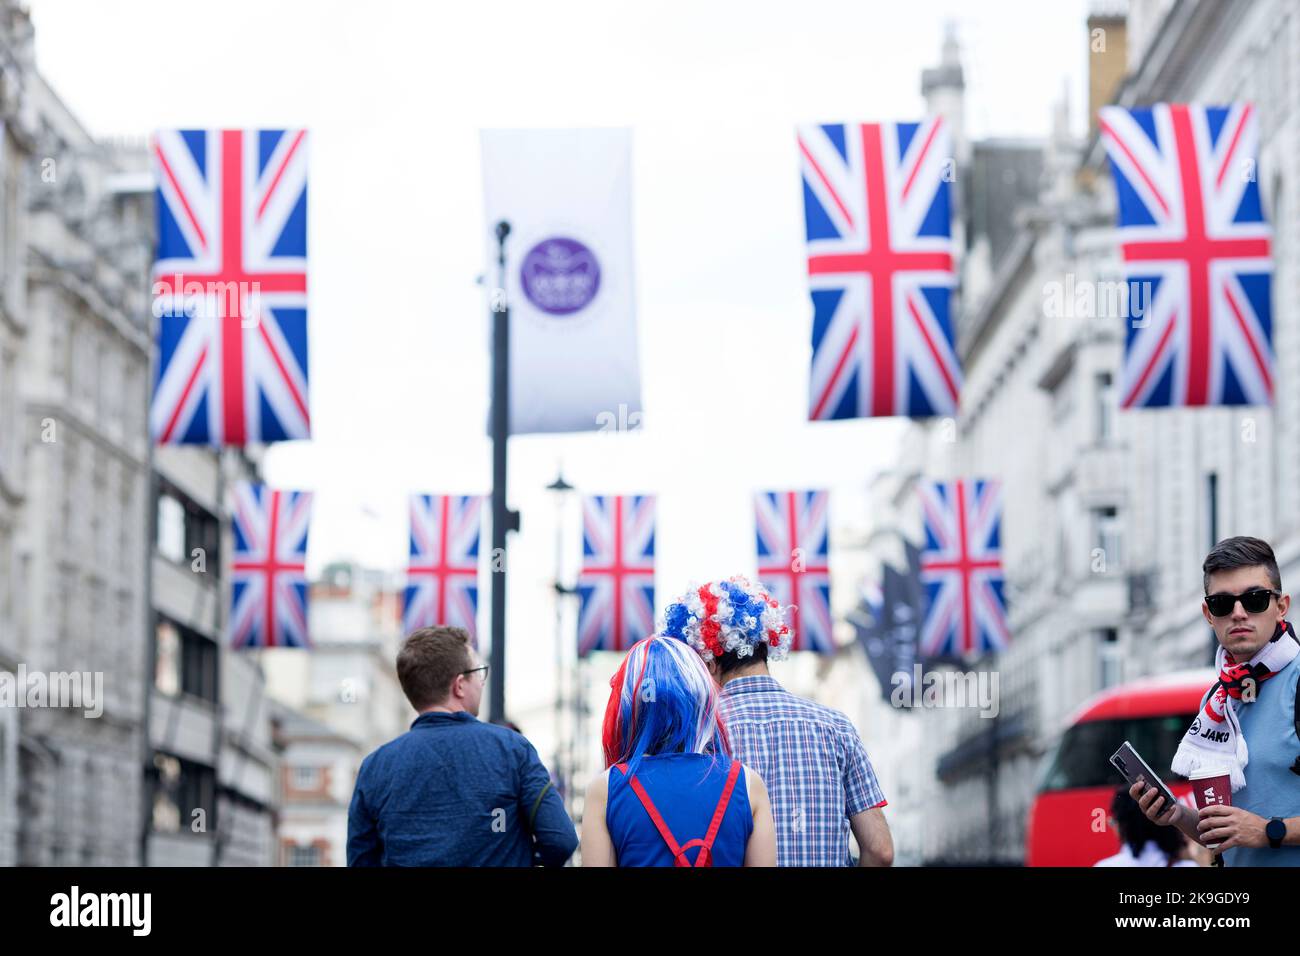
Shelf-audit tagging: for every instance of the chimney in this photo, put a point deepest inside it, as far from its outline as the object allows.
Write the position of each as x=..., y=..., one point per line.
x=1107, y=55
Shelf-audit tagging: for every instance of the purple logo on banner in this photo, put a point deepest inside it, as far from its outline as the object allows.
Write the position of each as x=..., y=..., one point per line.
x=560, y=275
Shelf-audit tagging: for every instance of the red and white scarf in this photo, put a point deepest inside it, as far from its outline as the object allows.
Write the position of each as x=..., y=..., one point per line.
x=1214, y=742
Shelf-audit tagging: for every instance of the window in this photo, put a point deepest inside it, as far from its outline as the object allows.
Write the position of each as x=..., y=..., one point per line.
x=166, y=799
x=1108, y=535
x=300, y=855
x=306, y=778
x=167, y=659
x=7, y=584
x=179, y=788
x=171, y=529
x=1112, y=662
x=202, y=530
x=1082, y=758
x=9, y=254
x=1062, y=404
x=1105, y=408
x=183, y=526
x=9, y=431
x=184, y=661
x=199, y=667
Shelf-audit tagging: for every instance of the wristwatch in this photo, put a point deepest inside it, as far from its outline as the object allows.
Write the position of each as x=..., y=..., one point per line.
x=1276, y=832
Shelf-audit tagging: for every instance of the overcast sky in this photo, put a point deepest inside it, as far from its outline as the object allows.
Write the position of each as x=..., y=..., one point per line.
x=394, y=95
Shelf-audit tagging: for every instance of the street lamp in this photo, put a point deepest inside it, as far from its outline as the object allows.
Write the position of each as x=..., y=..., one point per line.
x=563, y=766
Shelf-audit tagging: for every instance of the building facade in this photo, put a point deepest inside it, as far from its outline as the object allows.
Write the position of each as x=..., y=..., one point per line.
x=214, y=766
x=348, y=680
x=82, y=375
x=98, y=577
x=1108, y=512
x=335, y=704
x=317, y=775
x=17, y=145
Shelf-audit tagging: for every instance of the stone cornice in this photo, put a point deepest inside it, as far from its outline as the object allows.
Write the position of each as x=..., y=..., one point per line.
x=69, y=277
x=64, y=415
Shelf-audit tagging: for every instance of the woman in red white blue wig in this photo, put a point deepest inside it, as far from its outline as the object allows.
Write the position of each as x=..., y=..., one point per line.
x=808, y=755
x=672, y=794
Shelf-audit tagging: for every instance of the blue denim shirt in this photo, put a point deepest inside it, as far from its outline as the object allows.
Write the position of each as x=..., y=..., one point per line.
x=454, y=791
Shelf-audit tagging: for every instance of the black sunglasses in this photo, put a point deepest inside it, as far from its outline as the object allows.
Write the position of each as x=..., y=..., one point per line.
x=1253, y=601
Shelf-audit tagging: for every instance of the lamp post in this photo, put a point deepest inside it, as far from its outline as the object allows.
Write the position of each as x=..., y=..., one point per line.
x=563, y=765
x=503, y=519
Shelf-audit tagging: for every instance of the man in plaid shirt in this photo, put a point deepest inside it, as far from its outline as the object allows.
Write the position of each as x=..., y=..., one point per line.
x=816, y=770
x=810, y=756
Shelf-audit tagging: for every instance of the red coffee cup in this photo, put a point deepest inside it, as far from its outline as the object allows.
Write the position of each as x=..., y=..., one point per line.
x=1211, y=789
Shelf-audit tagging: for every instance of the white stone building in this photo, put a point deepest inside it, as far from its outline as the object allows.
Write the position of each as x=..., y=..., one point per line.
x=17, y=141
x=81, y=548
x=213, y=763
x=335, y=704
x=348, y=680
x=317, y=776
x=90, y=582
x=1108, y=513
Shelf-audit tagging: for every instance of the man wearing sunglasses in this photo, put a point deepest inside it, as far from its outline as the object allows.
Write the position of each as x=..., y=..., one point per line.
x=1246, y=726
x=454, y=791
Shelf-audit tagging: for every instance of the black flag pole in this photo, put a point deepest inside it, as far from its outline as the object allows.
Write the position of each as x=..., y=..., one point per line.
x=503, y=519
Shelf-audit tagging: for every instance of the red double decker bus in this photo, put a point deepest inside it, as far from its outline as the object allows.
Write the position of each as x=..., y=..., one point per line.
x=1077, y=779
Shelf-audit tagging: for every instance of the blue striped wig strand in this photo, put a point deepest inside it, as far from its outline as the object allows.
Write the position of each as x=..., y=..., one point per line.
x=662, y=700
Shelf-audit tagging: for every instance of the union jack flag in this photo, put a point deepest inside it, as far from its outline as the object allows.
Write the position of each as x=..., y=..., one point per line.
x=793, y=562
x=230, y=287
x=616, y=587
x=880, y=268
x=961, y=569
x=442, y=578
x=1196, y=255
x=269, y=569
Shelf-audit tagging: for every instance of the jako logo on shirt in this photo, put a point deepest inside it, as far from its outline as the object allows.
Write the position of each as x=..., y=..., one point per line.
x=103, y=909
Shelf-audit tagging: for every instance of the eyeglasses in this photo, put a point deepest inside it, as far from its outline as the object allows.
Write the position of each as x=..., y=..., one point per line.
x=1252, y=601
x=475, y=670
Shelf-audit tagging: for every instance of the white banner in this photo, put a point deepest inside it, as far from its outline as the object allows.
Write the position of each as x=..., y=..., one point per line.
x=567, y=195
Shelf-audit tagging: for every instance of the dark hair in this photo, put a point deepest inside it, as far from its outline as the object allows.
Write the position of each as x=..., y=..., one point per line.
x=430, y=659
x=1241, y=552
x=731, y=661
x=1136, y=829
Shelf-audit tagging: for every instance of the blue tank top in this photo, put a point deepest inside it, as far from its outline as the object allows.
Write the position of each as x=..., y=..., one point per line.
x=685, y=789
x=1271, y=790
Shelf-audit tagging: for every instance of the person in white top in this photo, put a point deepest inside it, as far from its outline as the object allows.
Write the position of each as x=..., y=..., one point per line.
x=1143, y=843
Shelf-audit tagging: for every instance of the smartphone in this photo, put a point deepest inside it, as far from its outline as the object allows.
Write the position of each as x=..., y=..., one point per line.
x=1133, y=768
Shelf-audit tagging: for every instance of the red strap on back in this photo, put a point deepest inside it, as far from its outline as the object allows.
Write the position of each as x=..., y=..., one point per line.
x=720, y=810
x=705, y=857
